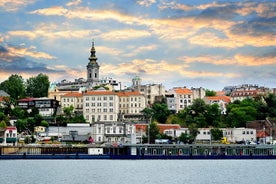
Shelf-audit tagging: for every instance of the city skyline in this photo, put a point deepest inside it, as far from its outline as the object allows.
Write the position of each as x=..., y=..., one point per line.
x=209, y=44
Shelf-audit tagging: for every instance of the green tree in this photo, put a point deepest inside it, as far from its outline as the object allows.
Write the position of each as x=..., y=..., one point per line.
x=153, y=131
x=14, y=86
x=4, y=118
x=271, y=105
x=185, y=138
x=44, y=123
x=239, y=112
x=216, y=134
x=147, y=113
x=193, y=131
x=161, y=112
x=19, y=113
x=210, y=93
x=3, y=124
x=213, y=115
x=68, y=111
x=21, y=125
x=38, y=86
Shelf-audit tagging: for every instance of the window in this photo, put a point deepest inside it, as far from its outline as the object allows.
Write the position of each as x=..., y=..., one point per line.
x=111, y=117
x=111, y=104
x=110, y=110
x=111, y=98
x=105, y=98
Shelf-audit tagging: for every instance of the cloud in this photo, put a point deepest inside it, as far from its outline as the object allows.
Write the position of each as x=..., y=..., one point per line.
x=145, y=3
x=8, y=53
x=118, y=35
x=51, y=34
x=237, y=60
x=158, y=69
x=74, y=3
x=22, y=52
x=175, y=6
x=14, y=5
x=55, y=10
x=136, y=50
x=108, y=50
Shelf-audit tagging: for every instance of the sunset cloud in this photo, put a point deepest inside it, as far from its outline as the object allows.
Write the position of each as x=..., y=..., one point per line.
x=195, y=43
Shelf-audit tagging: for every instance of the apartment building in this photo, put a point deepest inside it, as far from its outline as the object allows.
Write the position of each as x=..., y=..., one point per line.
x=179, y=98
x=100, y=105
x=130, y=105
x=74, y=99
x=222, y=102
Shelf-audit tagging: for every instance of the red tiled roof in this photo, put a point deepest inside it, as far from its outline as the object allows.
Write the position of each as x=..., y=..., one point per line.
x=183, y=91
x=220, y=93
x=73, y=94
x=11, y=128
x=27, y=99
x=128, y=93
x=261, y=134
x=223, y=98
x=162, y=127
x=99, y=93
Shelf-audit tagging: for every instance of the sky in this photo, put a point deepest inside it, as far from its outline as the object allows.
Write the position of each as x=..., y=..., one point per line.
x=192, y=43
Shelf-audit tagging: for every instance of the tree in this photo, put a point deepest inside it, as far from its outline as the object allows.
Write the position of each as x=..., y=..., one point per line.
x=153, y=132
x=38, y=86
x=193, y=131
x=210, y=93
x=44, y=123
x=161, y=112
x=185, y=138
x=216, y=134
x=3, y=124
x=147, y=113
x=14, y=86
x=271, y=105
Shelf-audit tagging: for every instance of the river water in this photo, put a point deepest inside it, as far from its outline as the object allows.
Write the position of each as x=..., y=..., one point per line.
x=137, y=171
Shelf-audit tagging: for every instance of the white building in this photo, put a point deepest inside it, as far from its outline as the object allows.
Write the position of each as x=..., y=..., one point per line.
x=100, y=105
x=222, y=102
x=204, y=134
x=179, y=98
x=8, y=136
x=113, y=132
x=240, y=134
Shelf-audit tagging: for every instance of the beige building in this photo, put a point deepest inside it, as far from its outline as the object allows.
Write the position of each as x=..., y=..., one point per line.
x=74, y=99
x=152, y=92
x=130, y=105
x=179, y=98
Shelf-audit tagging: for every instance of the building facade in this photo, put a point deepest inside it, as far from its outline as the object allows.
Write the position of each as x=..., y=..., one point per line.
x=179, y=98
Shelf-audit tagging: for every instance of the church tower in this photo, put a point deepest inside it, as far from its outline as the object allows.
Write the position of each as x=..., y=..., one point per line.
x=93, y=67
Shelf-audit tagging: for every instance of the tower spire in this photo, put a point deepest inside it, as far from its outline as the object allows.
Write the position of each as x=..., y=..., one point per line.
x=93, y=58
x=93, y=67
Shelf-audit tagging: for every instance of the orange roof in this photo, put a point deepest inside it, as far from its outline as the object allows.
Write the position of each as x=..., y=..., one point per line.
x=261, y=134
x=136, y=93
x=73, y=94
x=216, y=98
x=162, y=127
x=183, y=91
x=99, y=93
x=220, y=93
